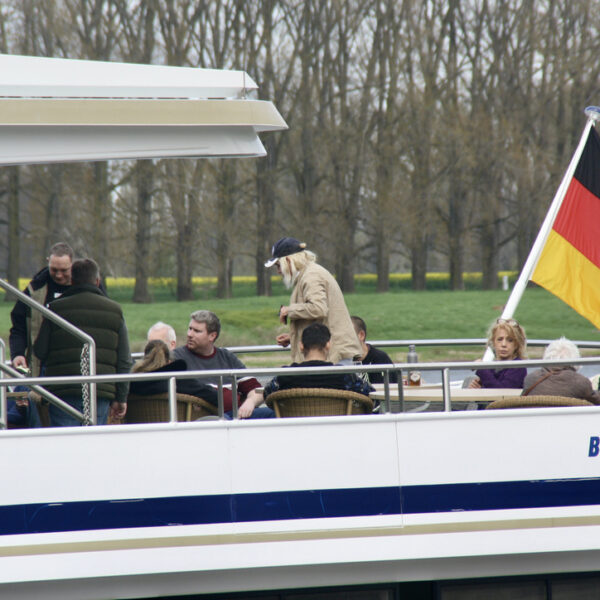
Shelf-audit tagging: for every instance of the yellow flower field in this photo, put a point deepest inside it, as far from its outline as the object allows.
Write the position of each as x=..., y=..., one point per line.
x=397, y=278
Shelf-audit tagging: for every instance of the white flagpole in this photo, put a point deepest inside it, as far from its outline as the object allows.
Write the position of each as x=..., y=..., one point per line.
x=593, y=114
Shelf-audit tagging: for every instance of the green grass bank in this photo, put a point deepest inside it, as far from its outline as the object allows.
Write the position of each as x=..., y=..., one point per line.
x=401, y=314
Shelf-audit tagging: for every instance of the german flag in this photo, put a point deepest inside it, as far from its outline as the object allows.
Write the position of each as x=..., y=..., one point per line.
x=569, y=264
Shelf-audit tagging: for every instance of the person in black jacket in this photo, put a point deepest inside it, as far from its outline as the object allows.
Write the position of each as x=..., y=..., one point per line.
x=47, y=284
x=315, y=344
x=370, y=355
x=157, y=359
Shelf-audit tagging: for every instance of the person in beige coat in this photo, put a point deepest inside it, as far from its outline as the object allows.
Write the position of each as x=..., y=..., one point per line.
x=316, y=298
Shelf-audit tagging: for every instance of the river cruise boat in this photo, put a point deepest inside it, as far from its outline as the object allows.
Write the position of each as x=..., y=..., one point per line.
x=429, y=505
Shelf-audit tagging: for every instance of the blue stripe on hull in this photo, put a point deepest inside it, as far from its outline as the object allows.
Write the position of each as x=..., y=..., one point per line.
x=305, y=504
x=499, y=495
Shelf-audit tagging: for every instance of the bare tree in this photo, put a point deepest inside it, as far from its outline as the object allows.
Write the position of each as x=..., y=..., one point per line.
x=138, y=42
x=382, y=210
x=11, y=192
x=424, y=47
x=94, y=23
x=177, y=20
x=418, y=130
x=349, y=83
x=14, y=251
x=272, y=65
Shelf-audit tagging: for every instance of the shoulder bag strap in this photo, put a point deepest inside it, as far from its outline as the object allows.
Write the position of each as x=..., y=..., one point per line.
x=526, y=392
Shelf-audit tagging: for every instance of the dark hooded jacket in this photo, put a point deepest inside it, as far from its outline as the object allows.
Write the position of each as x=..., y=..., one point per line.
x=25, y=325
x=86, y=307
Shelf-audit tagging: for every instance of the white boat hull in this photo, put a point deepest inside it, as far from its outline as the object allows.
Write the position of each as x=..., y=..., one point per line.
x=146, y=510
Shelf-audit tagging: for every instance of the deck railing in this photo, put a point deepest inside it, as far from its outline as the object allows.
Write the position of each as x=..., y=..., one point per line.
x=89, y=347
x=420, y=342
x=400, y=344
x=225, y=377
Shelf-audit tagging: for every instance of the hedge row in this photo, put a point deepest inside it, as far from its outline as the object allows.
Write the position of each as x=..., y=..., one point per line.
x=363, y=281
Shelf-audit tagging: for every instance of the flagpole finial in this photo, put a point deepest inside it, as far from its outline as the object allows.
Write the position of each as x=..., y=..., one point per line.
x=592, y=112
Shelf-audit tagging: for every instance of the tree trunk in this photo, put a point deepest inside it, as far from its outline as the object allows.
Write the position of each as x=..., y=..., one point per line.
x=224, y=273
x=226, y=210
x=55, y=231
x=489, y=256
x=185, y=232
x=346, y=267
x=12, y=269
x=265, y=219
x=184, y=264
x=456, y=192
x=224, y=267
x=382, y=261
x=456, y=230
x=145, y=181
x=101, y=216
x=419, y=262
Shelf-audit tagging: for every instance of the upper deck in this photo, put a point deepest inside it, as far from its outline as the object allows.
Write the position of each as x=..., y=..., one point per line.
x=58, y=110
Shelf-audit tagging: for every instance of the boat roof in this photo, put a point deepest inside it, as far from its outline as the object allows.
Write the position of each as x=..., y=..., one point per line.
x=58, y=110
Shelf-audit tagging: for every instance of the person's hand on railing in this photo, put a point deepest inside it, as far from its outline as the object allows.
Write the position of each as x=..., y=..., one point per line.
x=19, y=361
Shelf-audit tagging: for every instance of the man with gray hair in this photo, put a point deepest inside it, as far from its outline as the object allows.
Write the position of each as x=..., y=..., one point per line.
x=201, y=354
x=559, y=380
x=163, y=331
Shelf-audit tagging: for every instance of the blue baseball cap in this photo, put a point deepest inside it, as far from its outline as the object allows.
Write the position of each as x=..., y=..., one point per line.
x=284, y=247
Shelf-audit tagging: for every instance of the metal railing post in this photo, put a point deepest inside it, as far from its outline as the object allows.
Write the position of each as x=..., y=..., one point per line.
x=386, y=391
x=172, y=400
x=401, y=390
x=234, y=398
x=92, y=388
x=446, y=390
x=3, y=404
x=220, y=398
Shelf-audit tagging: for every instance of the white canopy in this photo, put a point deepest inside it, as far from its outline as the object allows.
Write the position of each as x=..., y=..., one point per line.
x=56, y=110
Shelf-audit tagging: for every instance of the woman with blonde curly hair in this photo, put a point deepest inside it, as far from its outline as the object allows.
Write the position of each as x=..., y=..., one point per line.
x=507, y=339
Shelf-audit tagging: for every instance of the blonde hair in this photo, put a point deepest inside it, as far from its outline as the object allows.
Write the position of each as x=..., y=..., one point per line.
x=156, y=355
x=298, y=261
x=514, y=330
x=301, y=259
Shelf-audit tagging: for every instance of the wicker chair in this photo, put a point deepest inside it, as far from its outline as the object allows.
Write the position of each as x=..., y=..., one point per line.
x=537, y=402
x=155, y=408
x=318, y=402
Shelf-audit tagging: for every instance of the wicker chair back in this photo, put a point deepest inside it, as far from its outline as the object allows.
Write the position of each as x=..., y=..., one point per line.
x=318, y=402
x=155, y=408
x=537, y=402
